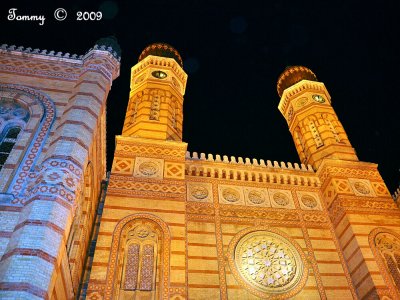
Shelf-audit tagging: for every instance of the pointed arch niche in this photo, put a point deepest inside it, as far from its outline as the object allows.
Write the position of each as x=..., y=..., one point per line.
x=139, y=262
x=385, y=245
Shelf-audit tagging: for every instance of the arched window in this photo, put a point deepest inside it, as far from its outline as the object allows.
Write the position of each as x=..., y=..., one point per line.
x=139, y=275
x=388, y=246
x=7, y=142
x=13, y=118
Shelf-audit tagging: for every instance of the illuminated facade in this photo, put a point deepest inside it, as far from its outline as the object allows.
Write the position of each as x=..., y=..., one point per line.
x=179, y=225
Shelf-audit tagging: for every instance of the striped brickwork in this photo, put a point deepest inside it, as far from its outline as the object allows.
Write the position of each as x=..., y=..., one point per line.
x=134, y=196
x=316, y=129
x=58, y=158
x=355, y=214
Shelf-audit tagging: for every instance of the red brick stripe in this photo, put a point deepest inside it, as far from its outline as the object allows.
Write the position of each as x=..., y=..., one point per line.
x=5, y=234
x=78, y=107
x=48, y=224
x=91, y=82
x=70, y=139
x=23, y=286
x=76, y=123
x=88, y=95
x=30, y=252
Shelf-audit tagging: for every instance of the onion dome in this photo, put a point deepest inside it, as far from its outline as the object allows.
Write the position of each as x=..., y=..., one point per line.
x=163, y=50
x=293, y=75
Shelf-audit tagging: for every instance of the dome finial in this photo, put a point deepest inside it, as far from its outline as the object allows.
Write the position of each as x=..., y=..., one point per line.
x=163, y=50
x=293, y=75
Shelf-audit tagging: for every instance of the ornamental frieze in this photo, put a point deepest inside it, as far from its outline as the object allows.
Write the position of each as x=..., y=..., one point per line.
x=257, y=213
x=200, y=208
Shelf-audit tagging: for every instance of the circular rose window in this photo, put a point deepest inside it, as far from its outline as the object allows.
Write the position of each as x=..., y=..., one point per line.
x=267, y=264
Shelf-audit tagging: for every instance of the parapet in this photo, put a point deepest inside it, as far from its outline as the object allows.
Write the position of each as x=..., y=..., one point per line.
x=55, y=54
x=237, y=168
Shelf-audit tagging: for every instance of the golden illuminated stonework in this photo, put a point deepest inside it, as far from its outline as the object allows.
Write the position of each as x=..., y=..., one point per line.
x=267, y=264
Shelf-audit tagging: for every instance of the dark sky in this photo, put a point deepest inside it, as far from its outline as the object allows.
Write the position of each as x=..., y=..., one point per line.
x=233, y=52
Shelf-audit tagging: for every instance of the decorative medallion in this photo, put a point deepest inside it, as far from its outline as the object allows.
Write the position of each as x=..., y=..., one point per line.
x=199, y=192
x=142, y=232
x=231, y=195
x=301, y=102
x=148, y=168
x=140, y=78
x=256, y=197
x=281, y=199
x=361, y=188
x=318, y=98
x=267, y=264
x=309, y=201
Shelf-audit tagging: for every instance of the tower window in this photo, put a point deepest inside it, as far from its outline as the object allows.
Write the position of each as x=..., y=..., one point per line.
x=159, y=74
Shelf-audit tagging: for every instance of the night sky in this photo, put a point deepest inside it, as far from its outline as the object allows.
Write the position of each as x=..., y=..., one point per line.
x=234, y=52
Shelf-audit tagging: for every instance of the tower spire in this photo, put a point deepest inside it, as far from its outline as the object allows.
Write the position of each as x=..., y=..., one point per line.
x=158, y=81
x=316, y=130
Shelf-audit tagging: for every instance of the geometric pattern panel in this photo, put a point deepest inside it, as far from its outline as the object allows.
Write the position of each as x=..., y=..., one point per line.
x=132, y=267
x=174, y=170
x=362, y=187
x=123, y=166
x=147, y=266
x=380, y=189
x=281, y=199
x=342, y=186
x=199, y=192
x=147, y=186
x=150, y=151
x=309, y=200
x=148, y=168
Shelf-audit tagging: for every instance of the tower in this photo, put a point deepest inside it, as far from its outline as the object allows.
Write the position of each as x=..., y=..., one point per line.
x=315, y=128
x=364, y=216
x=143, y=217
x=156, y=98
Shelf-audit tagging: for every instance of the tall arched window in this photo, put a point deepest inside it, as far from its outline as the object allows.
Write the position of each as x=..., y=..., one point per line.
x=13, y=118
x=388, y=246
x=139, y=276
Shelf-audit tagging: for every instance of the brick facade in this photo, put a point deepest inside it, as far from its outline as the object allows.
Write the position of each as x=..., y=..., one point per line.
x=180, y=225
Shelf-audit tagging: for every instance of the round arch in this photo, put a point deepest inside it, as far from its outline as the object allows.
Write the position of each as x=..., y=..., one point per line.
x=116, y=244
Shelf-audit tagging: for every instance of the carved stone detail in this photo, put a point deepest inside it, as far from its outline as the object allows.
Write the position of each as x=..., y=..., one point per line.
x=148, y=168
x=256, y=197
x=231, y=194
x=309, y=200
x=266, y=263
x=199, y=191
x=362, y=187
x=281, y=198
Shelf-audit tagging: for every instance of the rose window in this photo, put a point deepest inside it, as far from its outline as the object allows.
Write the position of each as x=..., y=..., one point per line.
x=267, y=263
